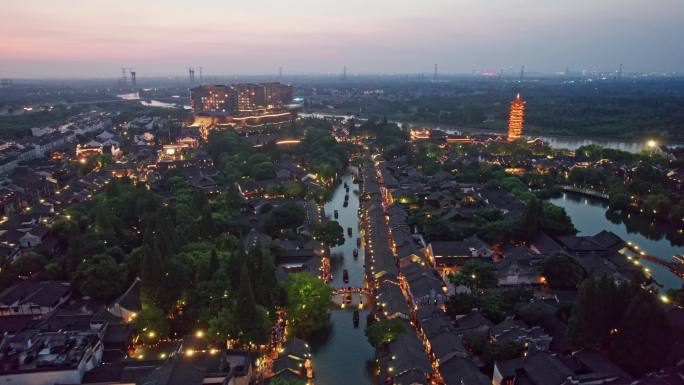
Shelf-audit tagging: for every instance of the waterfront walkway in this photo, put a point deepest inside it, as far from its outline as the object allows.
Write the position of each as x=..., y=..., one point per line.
x=585, y=191
x=676, y=267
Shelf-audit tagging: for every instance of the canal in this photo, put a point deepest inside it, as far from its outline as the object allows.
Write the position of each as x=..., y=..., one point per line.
x=591, y=215
x=340, y=357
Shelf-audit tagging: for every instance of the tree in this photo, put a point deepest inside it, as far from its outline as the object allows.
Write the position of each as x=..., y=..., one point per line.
x=151, y=268
x=619, y=199
x=642, y=342
x=461, y=303
x=29, y=263
x=222, y=326
x=308, y=303
x=498, y=231
x=563, y=271
x=490, y=305
x=251, y=319
x=475, y=274
x=206, y=226
x=529, y=222
x=293, y=189
x=328, y=232
x=100, y=277
x=536, y=313
x=384, y=331
x=288, y=216
x=152, y=323
x=555, y=220
x=502, y=351
x=213, y=265
x=598, y=311
x=266, y=287
x=262, y=171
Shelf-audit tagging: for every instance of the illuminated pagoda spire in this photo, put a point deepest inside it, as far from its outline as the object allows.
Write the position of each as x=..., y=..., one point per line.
x=516, y=119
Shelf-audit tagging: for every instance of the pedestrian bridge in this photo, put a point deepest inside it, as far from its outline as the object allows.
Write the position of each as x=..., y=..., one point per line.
x=351, y=297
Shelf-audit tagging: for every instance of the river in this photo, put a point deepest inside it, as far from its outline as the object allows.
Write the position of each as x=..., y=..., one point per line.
x=341, y=356
x=135, y=96
x=556, y=142
x=590, y=216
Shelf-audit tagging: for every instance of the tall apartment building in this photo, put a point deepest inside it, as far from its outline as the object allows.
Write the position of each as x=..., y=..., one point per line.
x=239, y=100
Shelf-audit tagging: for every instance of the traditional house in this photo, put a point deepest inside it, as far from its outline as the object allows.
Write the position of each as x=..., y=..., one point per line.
x=449, y=256
x=128, y=305
x=33, y=298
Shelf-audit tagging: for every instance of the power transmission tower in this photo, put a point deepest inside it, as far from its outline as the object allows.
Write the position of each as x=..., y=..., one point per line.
x=133, y=77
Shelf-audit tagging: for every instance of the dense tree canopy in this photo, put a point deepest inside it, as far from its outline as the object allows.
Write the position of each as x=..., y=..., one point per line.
x=287, y=216
x=624, y=319
x=329, y=232
x=382, y=332
x=563, y=271
x=475, y=274
x=308, y=303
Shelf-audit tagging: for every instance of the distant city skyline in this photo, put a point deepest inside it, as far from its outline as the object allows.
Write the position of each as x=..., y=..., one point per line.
x=79, y=38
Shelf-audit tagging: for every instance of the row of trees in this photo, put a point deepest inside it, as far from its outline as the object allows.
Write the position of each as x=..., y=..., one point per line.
x=628, y=322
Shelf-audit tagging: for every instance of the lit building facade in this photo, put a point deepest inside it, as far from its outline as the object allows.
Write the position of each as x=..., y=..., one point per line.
x=241, y=100
x=516, y=119
x=242, y=106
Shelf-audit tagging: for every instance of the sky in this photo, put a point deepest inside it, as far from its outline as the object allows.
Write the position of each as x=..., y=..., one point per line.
x=95, y=38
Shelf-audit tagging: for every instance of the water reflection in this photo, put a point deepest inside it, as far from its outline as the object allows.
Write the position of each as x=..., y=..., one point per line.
x=634, y=223
x=591, y=215
x=557, y=142
x=341, y=353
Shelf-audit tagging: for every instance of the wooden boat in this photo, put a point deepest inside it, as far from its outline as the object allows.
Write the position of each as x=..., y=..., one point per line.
x=358, y=242
x=349, y=231
x=345, y=276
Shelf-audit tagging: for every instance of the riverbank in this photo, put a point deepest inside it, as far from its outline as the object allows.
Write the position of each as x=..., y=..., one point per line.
x=589, y=215
x=556, y=141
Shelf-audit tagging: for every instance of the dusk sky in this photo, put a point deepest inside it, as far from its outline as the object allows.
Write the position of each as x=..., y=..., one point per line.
x=86, y=38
